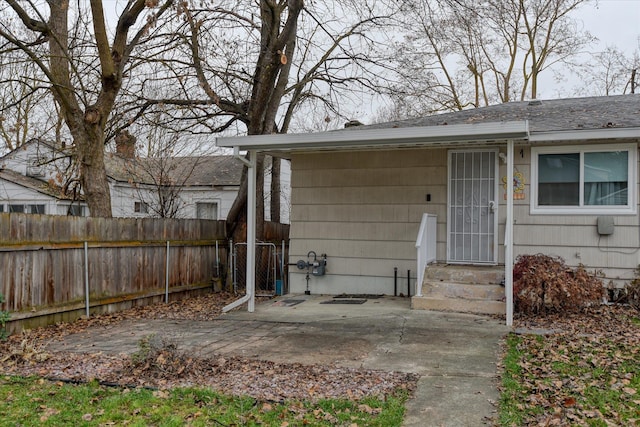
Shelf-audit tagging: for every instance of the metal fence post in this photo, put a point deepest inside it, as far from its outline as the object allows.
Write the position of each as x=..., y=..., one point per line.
x=86, y=278
x=166, y=278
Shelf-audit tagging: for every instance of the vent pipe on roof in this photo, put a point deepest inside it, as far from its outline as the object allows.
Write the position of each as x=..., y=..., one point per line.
x=353, y=123
x=534, y=103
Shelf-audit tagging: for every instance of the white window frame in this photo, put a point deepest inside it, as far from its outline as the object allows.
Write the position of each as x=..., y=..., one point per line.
x=629, y=209
x=141, y=207
x=216, y=202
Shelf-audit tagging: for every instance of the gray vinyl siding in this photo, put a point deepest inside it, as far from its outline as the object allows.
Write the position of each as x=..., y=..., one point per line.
x=575, y=237
x=363, y=210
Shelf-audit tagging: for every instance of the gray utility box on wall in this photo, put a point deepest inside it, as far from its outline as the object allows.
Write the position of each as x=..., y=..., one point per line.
x=605, y=225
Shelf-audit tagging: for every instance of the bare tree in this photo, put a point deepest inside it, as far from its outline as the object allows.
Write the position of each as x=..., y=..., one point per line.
x=25, y=109
x=461, y=53
x=160, y=175
x=254, y=67
x=551, y=36
x=84, y=89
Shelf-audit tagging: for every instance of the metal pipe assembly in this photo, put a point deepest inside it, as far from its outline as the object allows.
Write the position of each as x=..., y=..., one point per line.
x=315, y=266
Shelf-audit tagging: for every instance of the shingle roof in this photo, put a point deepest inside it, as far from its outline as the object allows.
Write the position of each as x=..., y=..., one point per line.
x=36, y=184
x=186, y=171
x=618, y=111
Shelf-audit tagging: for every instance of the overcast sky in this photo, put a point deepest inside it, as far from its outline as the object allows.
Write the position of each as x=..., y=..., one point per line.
x=614, y=22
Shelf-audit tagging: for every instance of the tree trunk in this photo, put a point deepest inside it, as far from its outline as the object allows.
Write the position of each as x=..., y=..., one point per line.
x=87, y=129
x=93, y=176
x=275, y=189
x=277, y=42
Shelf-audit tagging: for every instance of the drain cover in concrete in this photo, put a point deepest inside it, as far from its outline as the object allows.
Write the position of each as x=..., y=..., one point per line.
x=288, y=302
x=360, y=296
x=345, y=301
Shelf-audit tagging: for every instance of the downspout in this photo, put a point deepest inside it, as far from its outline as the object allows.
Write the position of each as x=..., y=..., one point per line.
x=508, y=240
x=251, y=232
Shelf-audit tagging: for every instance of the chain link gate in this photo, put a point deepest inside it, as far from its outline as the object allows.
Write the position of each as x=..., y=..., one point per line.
x=267, y=266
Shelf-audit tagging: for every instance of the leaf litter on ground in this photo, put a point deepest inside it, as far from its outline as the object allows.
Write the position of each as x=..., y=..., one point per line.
x=579, y=368
x=170, y=367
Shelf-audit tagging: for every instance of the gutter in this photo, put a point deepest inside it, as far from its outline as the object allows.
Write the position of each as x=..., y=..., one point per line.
x=586, y=134
x=386, y=137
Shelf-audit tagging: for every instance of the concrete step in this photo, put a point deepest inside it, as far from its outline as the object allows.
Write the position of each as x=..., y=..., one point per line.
x=471, y=291
x=458, y=305
x=464, y=274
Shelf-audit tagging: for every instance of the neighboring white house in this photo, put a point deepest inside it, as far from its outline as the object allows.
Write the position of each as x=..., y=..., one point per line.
x=37, y=178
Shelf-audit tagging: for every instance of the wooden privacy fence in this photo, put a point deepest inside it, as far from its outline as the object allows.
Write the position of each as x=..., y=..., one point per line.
x=47, y=263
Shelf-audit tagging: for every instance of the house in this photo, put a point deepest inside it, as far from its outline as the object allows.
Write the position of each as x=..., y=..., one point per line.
x=431, y=194
x=38, y=178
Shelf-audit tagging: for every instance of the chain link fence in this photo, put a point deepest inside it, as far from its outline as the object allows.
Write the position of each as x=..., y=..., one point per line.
x=270, y=268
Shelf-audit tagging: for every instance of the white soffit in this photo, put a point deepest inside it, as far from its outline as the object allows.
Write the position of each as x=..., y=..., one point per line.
x=408, y=136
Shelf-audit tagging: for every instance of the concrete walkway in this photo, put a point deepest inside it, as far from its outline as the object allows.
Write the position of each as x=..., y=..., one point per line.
x=455, y=354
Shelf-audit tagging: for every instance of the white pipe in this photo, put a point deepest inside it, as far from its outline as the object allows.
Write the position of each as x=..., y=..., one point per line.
x=236, y=303
x=166, y=277
x=86, y=278
x=508, y=258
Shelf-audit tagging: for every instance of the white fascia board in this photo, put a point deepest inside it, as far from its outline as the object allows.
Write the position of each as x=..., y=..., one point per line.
x=585, y=135
x=427, y=135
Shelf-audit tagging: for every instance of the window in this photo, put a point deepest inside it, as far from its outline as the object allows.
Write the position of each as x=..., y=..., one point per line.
x=1, y=208
x=32, y=209
x=589, y=180
x=34, y=168
x=207, y=210
x=36, y=209
x=141, y=207
x=75, y=210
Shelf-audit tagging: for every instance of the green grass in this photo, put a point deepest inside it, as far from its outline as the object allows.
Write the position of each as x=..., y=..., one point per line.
x=592, y=381
x=37, y=402
x=511, y=412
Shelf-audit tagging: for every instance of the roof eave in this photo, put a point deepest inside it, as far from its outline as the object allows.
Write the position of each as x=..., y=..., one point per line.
x=378, y=138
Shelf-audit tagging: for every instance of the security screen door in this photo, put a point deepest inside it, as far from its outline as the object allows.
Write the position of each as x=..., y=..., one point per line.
x=472, y=217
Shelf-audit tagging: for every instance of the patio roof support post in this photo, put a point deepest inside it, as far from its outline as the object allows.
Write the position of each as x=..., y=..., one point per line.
x=251, y=233
x=508, y=249
x=251, y=230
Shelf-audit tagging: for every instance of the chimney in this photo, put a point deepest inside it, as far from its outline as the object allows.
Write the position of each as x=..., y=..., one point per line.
x=126, y=145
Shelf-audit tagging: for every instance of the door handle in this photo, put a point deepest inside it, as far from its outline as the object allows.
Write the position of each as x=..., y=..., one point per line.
x=492, y=206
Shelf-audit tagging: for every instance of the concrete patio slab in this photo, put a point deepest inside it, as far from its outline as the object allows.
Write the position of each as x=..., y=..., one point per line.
x=455, y=354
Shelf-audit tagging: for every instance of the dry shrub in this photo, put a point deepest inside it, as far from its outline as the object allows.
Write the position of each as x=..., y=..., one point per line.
x=159, y=357
x=632, y=291
x=544, y=284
